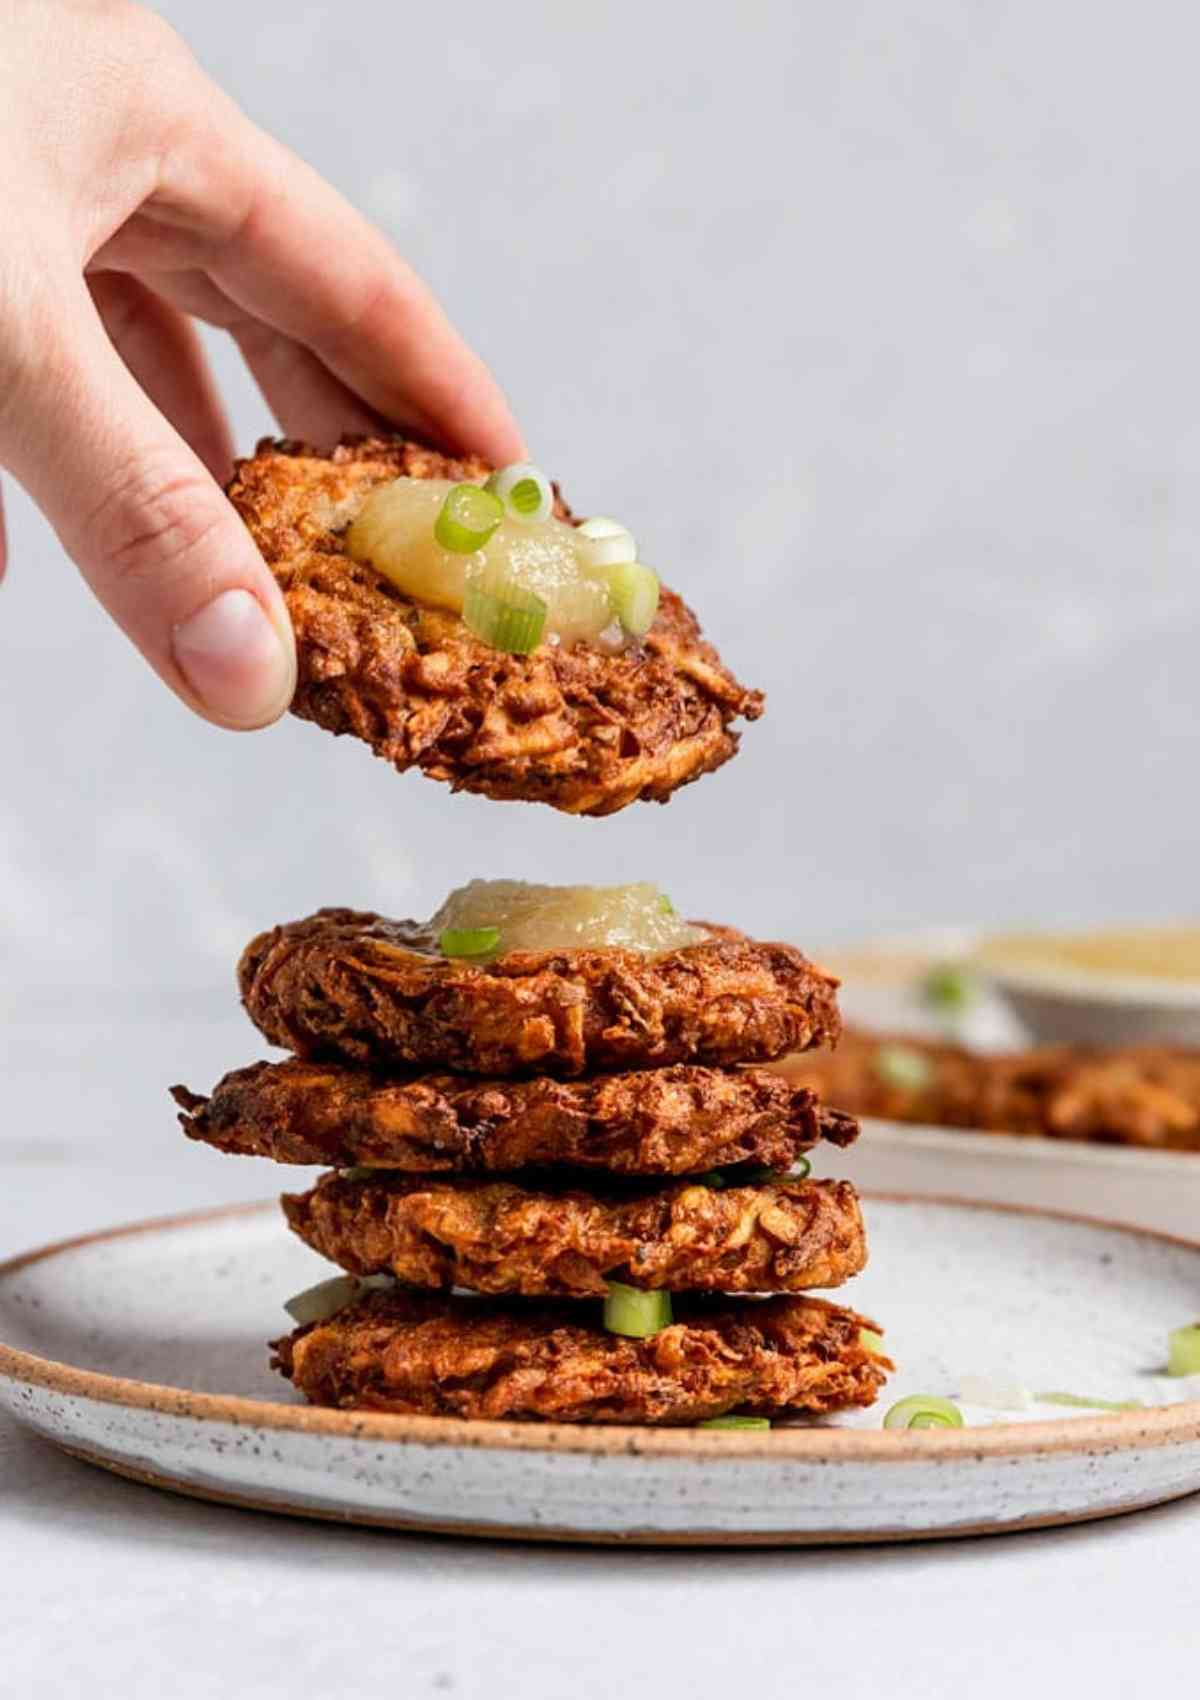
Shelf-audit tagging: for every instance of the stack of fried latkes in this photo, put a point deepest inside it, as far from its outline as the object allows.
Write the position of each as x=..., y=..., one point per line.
x=559, y=1185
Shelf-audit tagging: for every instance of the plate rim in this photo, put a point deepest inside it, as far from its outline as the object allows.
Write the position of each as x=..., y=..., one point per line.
x=1154, y=1427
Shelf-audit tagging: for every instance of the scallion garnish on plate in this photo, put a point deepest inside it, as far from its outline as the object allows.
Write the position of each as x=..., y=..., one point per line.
x=1183, y=1350
x=1084, y=1402
x=319, y=1303
x=924, y=1410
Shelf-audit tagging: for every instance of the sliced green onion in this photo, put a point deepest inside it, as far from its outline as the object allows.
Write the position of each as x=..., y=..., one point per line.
x=607, y=543
x=1082, y=1402
x=924, y=1410
x=524, y=490
x=871, y=1342
x=897, y=1065
x=757, y=1174
x=599, y=525
x=316, y=1304
x=635, y=1313
x=360, y=1172
x=761, y=1174
x=948, y=988
x=1183, y=1350
x=735, y=1422
x=468, y=517
x=503, y=614
x=468, y=941
x=633, y=595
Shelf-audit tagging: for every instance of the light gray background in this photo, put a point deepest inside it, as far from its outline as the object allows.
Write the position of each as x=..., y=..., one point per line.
x=876, y=321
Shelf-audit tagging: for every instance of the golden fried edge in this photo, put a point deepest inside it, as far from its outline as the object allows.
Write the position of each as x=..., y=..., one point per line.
x=582, y=731
x=520, y=1237
x=377, y=992
x=420, y=1354
x=678, y=1120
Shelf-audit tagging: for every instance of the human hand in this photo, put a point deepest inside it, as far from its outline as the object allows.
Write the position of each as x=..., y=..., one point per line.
x=137, y=196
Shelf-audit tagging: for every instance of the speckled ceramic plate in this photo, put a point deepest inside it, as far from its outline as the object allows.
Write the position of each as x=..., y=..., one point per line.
x=142, y=1349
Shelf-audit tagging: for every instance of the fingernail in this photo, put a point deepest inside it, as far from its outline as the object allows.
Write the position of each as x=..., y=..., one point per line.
x=235, y=661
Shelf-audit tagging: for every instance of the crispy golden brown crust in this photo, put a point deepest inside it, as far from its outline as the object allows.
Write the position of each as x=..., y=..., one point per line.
x=1147, y=1096
x=378, y=992
x=499, y=1237
x=579, y=729
x=670, y=1121
x=414, y=1353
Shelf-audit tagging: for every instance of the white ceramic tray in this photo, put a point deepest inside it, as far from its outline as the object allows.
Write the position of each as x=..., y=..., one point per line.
x=143, y=1350
x=1115, y=1183
x=1147, y=1189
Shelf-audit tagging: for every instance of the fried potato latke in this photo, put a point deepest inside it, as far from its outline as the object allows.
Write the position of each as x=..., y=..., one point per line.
x=582, y=730
x=669, y=1121
x=435, y=1355
x=379, y=992
x=501, y=1237
x=1141, y=1095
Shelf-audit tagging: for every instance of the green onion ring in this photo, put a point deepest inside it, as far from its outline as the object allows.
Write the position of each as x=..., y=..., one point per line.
x=319, y=1303
x=634, y=1312
x=758, y=1174
x=524, y=490
x=761, y=1174
x=735, y=1422
x=468, y=517
x=607, y=543
x=948, y=988
x=1183, y=1350
x=897, y=1065
x=633, y=592
x=924, y=1410
x=468, y=941
x=502, y=614
x=599, y=525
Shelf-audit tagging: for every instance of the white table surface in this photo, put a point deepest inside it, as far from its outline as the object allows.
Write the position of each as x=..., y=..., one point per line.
x=113, y=1589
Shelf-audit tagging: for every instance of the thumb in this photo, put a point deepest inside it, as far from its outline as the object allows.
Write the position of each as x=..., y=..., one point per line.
x=152, y=533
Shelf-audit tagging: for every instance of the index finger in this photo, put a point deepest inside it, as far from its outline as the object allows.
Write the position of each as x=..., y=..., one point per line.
x=289, y=250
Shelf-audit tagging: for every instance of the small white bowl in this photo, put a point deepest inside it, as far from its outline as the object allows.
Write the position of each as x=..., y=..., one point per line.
x=1068, y=1003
